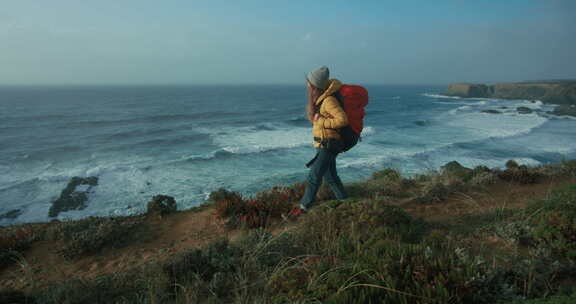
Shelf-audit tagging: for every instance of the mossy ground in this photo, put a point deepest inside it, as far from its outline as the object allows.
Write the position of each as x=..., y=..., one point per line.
x=454, y=236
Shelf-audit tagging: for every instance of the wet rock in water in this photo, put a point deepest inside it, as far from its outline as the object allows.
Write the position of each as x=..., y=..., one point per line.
x=74, y=196
x=503, y=107
x=524, y=110
x=491, y=111
x=12, y=214
x=161, y=205
x=569, y=110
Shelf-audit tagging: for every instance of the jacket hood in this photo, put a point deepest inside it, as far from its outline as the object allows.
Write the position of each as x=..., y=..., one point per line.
x=333, y=87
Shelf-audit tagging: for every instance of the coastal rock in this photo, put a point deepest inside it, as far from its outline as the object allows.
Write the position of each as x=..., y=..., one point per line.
x=161, y=205
x=524, y=110
x=491, y=111
x=73, y=197
x=565, y=110
x=469, y=90
x=554, y=92
x=12, y=214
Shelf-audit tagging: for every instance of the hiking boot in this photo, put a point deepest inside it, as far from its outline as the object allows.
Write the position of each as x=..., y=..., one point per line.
x=297, y=212
x=294, y=213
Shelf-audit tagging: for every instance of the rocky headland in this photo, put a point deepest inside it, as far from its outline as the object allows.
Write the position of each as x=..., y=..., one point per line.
x=554, y=92
x=559, y=92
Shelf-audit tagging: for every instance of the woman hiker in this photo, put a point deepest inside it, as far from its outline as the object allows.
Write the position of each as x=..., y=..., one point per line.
x=326, y=115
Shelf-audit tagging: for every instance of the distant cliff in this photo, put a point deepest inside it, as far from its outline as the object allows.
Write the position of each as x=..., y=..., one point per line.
x=555, y=92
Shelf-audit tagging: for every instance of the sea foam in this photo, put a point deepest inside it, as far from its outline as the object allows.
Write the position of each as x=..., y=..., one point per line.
x=439, y=96
x=249, y=140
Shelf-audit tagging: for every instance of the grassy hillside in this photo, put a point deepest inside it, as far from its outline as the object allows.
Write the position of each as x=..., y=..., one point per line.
x=457, y=235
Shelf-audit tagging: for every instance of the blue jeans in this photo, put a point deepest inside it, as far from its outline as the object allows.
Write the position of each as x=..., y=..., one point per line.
x=323, y=167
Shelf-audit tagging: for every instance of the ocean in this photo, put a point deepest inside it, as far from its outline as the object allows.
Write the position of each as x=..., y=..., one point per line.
x=186, y=141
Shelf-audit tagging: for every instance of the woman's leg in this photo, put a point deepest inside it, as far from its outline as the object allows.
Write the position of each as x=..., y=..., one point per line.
x=317, y=171
x=333, y=180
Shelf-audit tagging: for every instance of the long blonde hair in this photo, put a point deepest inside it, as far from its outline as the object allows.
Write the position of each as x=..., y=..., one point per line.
x=313, y=94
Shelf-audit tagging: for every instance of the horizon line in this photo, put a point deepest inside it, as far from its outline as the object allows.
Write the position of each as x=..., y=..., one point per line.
x=199, y=84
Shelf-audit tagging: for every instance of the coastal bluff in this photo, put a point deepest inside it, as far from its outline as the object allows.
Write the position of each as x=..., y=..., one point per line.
x=561, y=92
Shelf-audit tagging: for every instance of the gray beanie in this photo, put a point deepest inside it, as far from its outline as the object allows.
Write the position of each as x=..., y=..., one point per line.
x=319, y=77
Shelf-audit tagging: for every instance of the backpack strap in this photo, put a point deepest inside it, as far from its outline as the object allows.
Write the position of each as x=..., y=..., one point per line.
x=340, y=98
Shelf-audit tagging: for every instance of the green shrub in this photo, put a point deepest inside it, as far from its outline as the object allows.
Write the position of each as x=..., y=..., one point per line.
x=520, y=175
x=518, y=232
x=266, y=249
x=91, y=235
x=161, y=205
x=14, y=296
x=394, y=272
x=260, y=210
x=554, y=220
x=550, y=300
x=568, y=167
x=457, y=171
x=511, y=164
x=213, y=265
x=221, y=194
x=484, y=179
x=254, y=212
x=16, y=239
x=116, y=288
x=439, y=187
x=387, y=183
x=357, y=190
x=434, y=192
x=480, y=169
x=222, y=270
x=388, y=173
x=364, y=221
x=550, y=170
x=227, y=204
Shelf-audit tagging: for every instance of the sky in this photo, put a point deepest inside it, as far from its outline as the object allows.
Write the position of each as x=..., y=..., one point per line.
x=276, y=42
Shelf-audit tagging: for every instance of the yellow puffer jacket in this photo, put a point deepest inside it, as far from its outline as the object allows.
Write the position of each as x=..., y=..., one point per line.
x=332, y=116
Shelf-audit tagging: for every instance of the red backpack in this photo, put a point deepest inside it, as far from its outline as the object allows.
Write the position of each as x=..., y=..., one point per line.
x=353, y=99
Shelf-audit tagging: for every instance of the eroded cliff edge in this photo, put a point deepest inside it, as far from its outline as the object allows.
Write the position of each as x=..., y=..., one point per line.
x=554, y=92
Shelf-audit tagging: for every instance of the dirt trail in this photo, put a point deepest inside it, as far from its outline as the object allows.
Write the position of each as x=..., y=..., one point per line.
x=174, y=233
x=188, y=229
